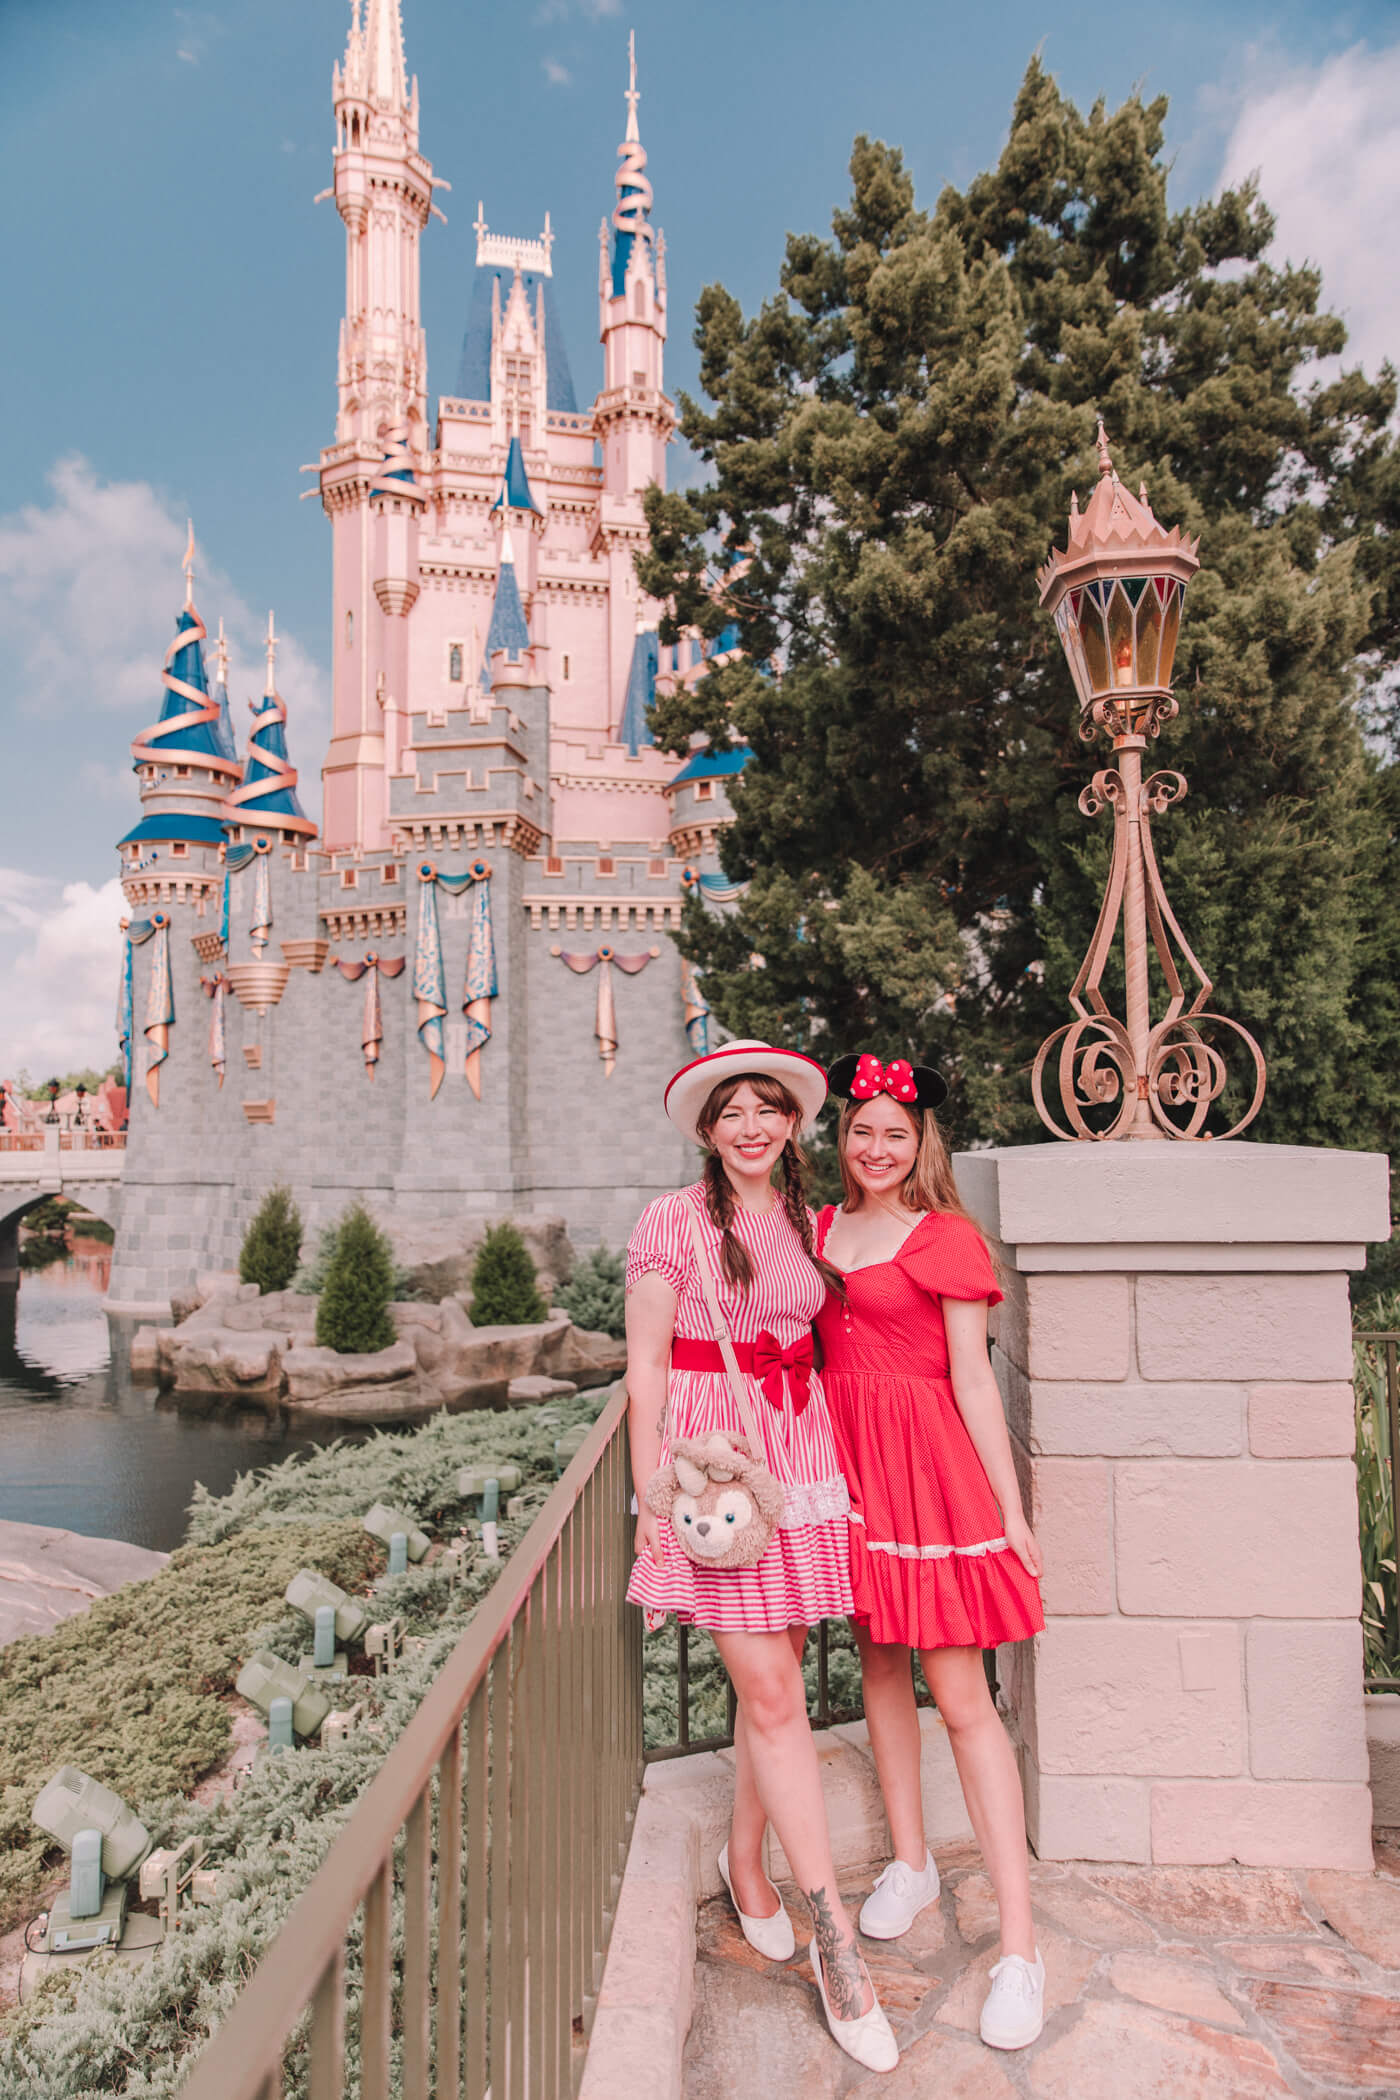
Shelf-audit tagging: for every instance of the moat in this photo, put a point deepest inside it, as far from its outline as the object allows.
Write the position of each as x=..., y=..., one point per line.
x=87, y=1449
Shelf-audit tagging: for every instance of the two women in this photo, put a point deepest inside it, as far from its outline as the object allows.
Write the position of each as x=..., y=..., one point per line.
x=905, y=1434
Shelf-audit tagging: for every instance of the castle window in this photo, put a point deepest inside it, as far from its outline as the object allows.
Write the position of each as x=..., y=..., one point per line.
x=566, y=670
x=656, y=867
x=389, y=872
x=454, y=663
x=553, y=865
x=179, y=850
x=182, y=772
x=639, y=300
x=639, y=379
x=704, y=791
x=349, y=878
x=605, y=864
x=349, y=630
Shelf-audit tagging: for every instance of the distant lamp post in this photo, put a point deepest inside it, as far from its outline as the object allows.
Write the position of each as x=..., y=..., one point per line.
x=53, y=1093
x=1115, y=595
x=82, y=1094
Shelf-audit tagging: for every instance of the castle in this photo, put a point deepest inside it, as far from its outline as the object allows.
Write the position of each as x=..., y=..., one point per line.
x=457, y=998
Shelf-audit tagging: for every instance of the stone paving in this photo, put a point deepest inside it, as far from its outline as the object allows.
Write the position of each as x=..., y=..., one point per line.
x=1163, y=1983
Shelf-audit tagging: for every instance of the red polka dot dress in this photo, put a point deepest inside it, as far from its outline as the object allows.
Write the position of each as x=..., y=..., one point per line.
x=929, y=1565
x=804, y=1574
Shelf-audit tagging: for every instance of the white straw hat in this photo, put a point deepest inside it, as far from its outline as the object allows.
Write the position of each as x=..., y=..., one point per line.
x=692, y=1086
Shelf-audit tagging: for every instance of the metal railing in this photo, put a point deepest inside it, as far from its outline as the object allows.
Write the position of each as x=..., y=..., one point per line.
x=1377, y=1387
x=492, y=1841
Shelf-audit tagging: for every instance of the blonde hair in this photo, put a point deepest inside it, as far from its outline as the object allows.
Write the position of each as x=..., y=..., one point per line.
x=930, y=1183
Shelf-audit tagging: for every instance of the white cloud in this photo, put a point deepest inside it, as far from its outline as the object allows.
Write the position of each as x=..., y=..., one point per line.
x=61, y=952
x=93, y=577
x=555, y=74
x=1326, y=143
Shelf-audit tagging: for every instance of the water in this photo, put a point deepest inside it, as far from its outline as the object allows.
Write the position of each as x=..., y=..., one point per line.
x=81, y=1446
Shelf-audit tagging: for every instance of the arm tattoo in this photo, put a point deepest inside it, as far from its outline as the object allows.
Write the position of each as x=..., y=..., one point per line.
x=661, y=1420
x=840, y=1959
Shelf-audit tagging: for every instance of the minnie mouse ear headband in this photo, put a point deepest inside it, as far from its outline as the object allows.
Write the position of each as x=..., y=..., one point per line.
x=861, y=1077
x=694, y=1083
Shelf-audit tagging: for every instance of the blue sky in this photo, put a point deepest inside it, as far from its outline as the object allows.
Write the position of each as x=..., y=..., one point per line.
x=175, y=295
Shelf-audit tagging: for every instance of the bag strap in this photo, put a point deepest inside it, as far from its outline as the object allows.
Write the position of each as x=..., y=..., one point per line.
x=742, y=1398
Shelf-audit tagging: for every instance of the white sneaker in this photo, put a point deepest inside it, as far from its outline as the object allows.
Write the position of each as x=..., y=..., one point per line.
x=1014, y=2011
x=897, y=1898
x=772, y=1937
x=869, y=2040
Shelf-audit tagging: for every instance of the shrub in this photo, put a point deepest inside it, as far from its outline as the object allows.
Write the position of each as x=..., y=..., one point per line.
x=353, y=1315
x=272, y=1243
x=595, y=1296
x=504, y=1291
x=311, y=1277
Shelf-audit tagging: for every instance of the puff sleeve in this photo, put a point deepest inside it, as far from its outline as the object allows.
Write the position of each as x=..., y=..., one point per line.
x=661, y=1241
x=947, y=1257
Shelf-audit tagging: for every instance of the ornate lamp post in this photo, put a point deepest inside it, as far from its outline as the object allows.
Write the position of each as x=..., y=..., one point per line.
x=1115, y=595
x=53, y=1090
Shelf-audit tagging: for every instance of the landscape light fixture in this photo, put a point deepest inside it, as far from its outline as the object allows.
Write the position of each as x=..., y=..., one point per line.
x=105, y=1844
x=1115, y=594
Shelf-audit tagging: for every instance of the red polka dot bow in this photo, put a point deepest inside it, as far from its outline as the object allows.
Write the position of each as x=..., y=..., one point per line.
x=872, y=1078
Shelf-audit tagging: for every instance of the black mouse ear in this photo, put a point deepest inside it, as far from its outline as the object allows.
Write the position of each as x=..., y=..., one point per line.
x=840, y=1075
x=932, y=1086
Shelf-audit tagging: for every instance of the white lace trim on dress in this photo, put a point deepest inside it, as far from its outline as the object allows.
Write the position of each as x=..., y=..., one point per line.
x=813, y=1502
x=900, y=1552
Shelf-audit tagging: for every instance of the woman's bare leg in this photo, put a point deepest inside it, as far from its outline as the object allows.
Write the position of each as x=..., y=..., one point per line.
x=748, y=1823
x=991, y=1784
x=767, y=1680
x=892, y=1717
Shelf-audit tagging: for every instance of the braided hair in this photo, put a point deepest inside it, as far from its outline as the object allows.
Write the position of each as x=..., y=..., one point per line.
x=720, y=1200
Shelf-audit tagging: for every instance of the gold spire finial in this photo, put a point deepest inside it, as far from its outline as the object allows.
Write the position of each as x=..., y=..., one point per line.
x=188, y=566
x=633, y=95
x=271, y=686
x=1105, y=463
x=221, y=655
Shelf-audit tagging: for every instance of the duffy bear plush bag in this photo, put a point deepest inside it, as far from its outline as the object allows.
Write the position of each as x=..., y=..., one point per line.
x=720, y=1499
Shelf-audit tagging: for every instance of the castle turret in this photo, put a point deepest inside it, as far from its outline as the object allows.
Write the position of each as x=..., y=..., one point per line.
x=506, y=658
x=183, y=763
x=267, y=800
x=635, y=419
x=383, y=190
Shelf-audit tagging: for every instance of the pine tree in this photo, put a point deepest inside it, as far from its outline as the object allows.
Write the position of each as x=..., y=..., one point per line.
x=504, y=1291
x=894, y=439
x=272, y=1244
x=595, y=1296
x=353, y=1313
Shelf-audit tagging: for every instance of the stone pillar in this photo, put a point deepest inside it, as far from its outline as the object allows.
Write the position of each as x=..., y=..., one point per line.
x=1174, y=1354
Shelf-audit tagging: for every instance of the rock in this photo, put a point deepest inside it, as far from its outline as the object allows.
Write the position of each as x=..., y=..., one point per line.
x=1203, y=1901
x=1364, y=1911
x=1185, y=1987
x=246, y=1292
x=216, y=1283
x=226, y=1360
x=184, y=1299
x=1068, y=1967
x=466, y=1357
x=244, y=1319
x=1349, y=2039
x=1116, y=2049
x=439, y=1256
x=46, y=1574
x=589, y=1359
x=143, y=1352
x=528, y=1392
x=318, y=1375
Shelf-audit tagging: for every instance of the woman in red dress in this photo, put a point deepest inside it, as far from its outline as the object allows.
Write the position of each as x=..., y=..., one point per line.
x=943, y=1560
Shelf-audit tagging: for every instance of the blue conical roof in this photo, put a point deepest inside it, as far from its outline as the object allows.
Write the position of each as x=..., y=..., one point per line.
x=184, y=668
x=515, y=483
x=508, y=629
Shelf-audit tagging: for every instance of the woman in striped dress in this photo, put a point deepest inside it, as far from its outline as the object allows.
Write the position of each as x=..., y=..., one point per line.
x=745, y=1105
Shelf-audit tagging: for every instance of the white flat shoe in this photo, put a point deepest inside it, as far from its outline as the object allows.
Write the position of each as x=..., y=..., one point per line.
x=772, y=1937
x=898, y=1897
x=869, y=2039
x=1014, y=2011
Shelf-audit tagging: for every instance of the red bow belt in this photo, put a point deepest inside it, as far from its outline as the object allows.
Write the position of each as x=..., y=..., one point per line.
x=872, y=1078
x=766, y=1360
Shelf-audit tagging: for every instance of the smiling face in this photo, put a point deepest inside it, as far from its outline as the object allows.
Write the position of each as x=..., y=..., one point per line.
x=879, y=1146
x=747, y=1124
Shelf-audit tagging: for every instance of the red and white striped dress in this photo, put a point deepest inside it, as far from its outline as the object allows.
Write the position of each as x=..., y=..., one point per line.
x=805, y=1573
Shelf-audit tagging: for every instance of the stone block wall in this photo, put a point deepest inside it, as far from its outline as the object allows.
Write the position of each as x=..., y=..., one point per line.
x=1183, y=1429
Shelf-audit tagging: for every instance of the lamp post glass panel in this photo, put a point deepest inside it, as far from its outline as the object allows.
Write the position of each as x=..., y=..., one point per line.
x=1115, y=595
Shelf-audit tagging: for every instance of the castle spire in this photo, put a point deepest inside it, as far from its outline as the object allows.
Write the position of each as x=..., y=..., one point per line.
x=268, y=796
x=632, y=213
x=509, y=634
x=635, y=418
x=184, y=766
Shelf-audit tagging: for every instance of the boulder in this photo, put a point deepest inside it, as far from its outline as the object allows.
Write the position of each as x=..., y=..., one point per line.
x=528, y=1392
x=439, y=1255
x=226, y=1360
x=143, y=1352
x=317, y=1375
x=465, y=1357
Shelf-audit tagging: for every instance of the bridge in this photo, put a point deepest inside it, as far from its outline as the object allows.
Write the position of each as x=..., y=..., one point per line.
x=85, y=1165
